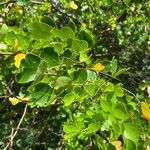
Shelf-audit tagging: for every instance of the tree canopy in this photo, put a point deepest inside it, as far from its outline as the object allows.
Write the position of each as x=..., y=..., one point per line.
x=75, y=74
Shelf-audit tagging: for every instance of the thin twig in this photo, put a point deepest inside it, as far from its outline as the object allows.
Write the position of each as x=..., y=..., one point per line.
x=131, y=94
x=36, y=2
x=6, y=53
x=12, y=136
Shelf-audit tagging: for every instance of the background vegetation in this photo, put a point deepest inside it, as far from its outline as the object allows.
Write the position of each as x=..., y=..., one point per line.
x=74, y=74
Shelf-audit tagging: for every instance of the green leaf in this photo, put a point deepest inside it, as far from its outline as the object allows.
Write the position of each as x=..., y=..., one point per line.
x=4, y=29
x=69, y=99
x=41, y=30
x=130, y=145
x=80, y=76
x=50, y=57
x=9, y=38
x=49, y=21
x=29, y=67
x=119, y=91
x=40, y=96
x=106, y=105
x=111, y=147
x=84, y=58
x=72, y=25
x=93, y=128
x=119, y=111
x=132, y=132
x=91, y=75
x=58, y=47
x=62, y=82
x=121, y=71
x=72, y=129
x=23, y=42
x=114, y=66
x=83, y=35
x=64, y=33
x=79, y=46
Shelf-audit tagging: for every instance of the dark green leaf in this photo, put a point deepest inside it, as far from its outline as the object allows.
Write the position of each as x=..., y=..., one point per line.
x=29, y=67
x=49, y=21
x=41, y=95
x=50, y=57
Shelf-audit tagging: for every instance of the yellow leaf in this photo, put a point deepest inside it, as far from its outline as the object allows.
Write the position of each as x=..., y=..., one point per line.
x=14, y=100
x=117, y=144
x=99, y=67
x=73, y=5
x=18, y=59
x=17, y=99
x=145, y=110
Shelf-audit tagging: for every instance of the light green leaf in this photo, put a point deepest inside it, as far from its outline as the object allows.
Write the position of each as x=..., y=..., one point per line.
x=114, y=66
x=91, y=75
x=93, y=128
x=62, y=81
x=130, y=145
x=119, y=111
x=119, y=91
x=72, y=129
x=64, y=33
x=121, y=71
x=4, y=29
x=69, y=99
x=41, y=30
x=79, y=46
x=106, y=105
x=132, y=132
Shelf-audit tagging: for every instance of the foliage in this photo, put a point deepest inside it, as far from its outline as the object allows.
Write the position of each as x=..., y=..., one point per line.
x=67, y=74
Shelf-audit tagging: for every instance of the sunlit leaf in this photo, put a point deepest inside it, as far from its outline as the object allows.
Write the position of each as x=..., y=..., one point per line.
x=117, y=144
x=73, y=5
x=17, y=99
x=18, y=58
x=145, y=110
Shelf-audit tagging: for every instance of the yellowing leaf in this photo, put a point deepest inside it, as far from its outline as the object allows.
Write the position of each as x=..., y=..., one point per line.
x=117, y=144
x=17, y=99
x=18, y=59
x=73, y=5
x=145, y=110
x=14, y=100
x=99, y=67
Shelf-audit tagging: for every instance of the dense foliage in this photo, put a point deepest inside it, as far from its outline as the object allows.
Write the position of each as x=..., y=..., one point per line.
x=74, y=75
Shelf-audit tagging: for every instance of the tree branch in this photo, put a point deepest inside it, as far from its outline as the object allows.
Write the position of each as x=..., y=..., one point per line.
x=13, y=134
